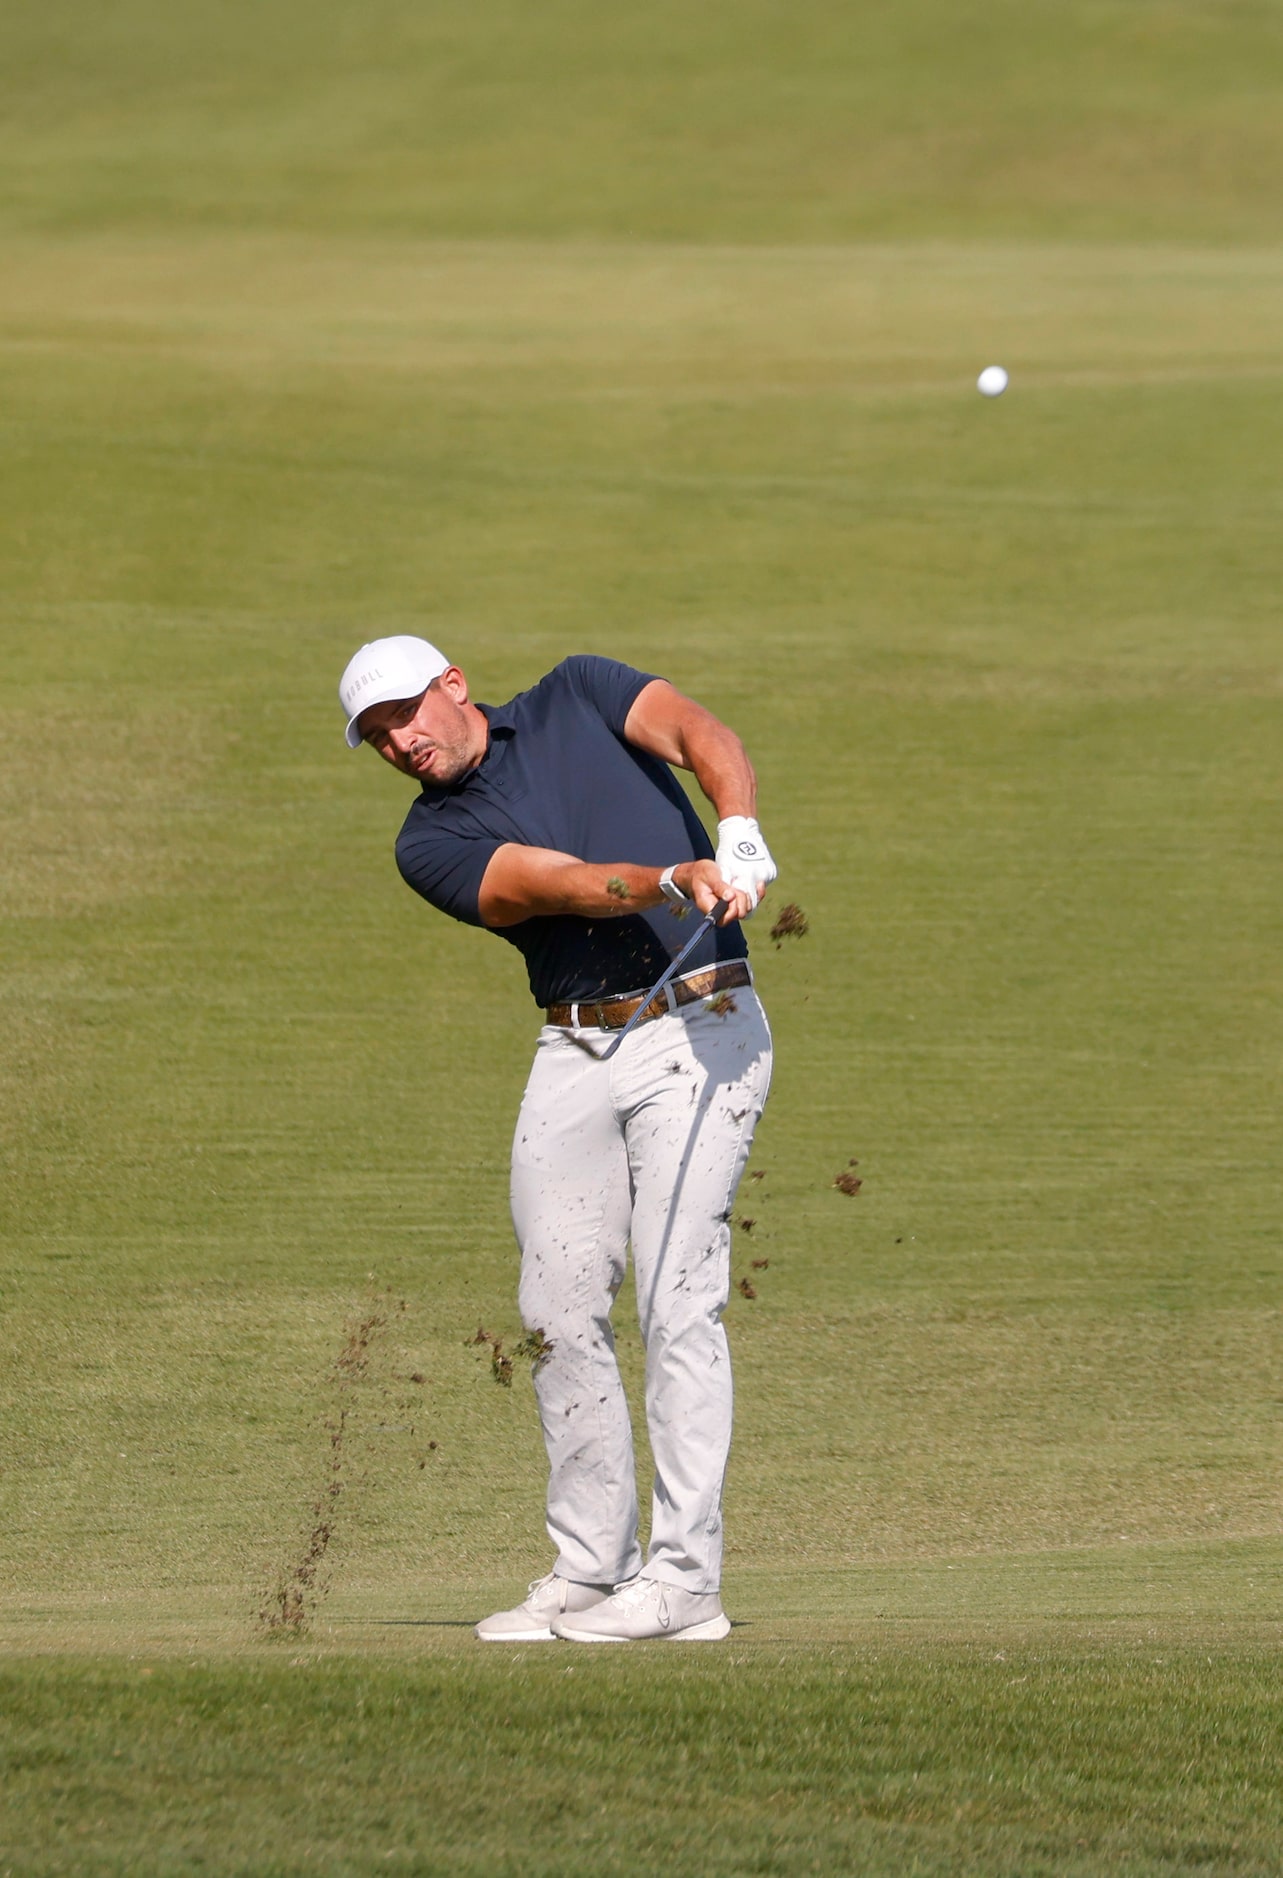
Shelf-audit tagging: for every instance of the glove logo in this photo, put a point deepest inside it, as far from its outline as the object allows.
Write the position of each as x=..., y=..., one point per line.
x=747, y=850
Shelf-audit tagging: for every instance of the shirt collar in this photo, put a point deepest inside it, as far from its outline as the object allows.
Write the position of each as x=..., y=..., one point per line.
x=502, y=720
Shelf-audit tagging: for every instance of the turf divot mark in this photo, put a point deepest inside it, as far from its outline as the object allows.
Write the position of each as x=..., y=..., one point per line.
x=302, y=1586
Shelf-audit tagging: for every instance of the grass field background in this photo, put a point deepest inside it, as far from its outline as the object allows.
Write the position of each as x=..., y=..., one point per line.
x=654, y=336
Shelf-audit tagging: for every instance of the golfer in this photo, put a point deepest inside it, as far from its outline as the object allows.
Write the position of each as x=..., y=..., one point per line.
x=556, y=822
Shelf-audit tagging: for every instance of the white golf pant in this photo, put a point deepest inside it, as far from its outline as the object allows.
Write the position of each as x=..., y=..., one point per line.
x=647, y=1148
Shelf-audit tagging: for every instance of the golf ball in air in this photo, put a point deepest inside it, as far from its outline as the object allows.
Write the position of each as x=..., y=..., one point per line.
x=992, y=382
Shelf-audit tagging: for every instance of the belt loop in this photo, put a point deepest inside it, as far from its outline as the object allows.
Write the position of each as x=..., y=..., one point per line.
x=574, y=1017
x=670, y=997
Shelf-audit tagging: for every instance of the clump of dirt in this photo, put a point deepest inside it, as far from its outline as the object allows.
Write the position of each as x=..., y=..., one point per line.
x=301, y=1586
x=287, y=1609
x=791, y=923
x=846, y=1181
x=500, y=1361
x=353, y=1359
x=618, y=889
x=746, y=1222
x=723, y=1004
x=533, y=1348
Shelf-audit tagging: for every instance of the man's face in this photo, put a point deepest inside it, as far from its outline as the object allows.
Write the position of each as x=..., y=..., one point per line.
x=436, y=737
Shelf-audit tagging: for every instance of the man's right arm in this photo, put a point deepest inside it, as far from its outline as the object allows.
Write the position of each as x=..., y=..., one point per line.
x=523, y=883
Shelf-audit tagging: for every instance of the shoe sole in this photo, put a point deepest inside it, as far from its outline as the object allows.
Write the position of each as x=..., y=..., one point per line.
x=514, y=1636
x=710, y=1632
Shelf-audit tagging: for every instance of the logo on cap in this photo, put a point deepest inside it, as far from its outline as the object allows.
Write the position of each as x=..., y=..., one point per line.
x=353, y=691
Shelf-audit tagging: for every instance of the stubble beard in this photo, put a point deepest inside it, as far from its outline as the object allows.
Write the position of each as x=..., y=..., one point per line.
x=452, y=758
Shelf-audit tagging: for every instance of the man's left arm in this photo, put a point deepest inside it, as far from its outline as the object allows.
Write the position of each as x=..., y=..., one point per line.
x=679, y=731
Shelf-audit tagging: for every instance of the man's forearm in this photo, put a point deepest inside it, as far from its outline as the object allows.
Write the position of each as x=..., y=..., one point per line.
x=594, y=889
x=679, y=731
x=720, y=765
x=530, y=883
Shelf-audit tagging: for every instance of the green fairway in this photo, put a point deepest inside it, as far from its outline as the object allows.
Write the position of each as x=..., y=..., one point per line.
x=931, y=1760
x=737, y=120
x=538, y=339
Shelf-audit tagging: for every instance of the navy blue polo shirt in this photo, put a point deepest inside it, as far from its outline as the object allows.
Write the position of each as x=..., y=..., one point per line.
x=558, y=773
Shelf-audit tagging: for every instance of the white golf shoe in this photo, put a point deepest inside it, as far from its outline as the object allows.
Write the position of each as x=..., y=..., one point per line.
x=645, y=1607
x=546, y=1599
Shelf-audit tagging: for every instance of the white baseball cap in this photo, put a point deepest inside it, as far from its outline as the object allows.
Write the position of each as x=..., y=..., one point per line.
x=387, y=669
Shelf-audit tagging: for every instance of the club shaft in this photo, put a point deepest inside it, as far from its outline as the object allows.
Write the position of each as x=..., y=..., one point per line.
x=709, y=919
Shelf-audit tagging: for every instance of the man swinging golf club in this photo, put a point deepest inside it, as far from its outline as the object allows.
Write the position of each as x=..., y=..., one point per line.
x=555, y=821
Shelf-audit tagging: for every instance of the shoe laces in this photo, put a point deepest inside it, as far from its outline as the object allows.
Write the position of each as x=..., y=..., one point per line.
x=637, y=1591
x=537, y=1592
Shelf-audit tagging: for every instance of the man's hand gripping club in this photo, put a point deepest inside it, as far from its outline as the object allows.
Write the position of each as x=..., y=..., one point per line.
x=707, y=887
x=744, y=860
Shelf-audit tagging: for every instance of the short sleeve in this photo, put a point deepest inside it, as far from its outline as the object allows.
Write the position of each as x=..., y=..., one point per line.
x=447, y=868
x=609, y=686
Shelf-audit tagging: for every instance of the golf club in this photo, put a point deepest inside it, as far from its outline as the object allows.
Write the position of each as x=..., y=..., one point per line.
x=709, y=919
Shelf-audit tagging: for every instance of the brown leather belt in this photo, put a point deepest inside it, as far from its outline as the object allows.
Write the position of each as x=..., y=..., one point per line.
x=614, y=1013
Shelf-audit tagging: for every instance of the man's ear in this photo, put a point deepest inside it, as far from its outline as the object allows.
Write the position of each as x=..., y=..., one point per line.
x=454, y=684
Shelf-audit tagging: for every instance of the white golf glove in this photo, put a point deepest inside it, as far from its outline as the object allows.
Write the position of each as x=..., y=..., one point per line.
x=743, y=858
